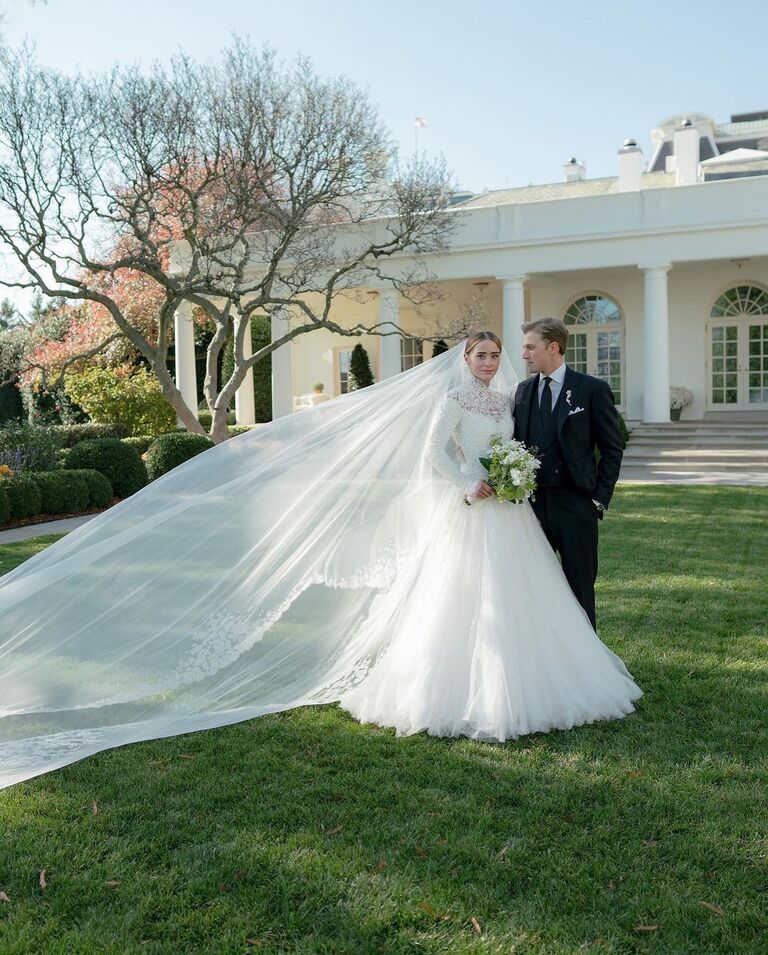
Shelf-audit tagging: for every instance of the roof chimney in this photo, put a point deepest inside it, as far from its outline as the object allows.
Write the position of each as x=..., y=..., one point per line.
x=575, y=171
x=686, y=154
x=631, y=166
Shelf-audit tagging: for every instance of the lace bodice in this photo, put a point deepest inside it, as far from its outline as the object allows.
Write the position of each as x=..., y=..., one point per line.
x=470, y=416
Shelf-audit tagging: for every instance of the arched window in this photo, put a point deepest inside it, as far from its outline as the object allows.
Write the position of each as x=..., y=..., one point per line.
x=596, y=340
x=591, y=309
x=738, y=349
x=741, y=300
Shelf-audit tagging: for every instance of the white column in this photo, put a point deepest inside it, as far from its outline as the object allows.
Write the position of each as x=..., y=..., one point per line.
x=389, y=345
x=656, y=338
x=282, y=370
x=184, y=334
x=513, y=312
x=245, y=403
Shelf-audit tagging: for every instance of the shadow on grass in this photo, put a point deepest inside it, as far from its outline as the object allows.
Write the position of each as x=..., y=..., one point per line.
x=306, y=832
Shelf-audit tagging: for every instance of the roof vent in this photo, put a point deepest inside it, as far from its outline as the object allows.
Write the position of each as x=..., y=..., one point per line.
x=575, y=171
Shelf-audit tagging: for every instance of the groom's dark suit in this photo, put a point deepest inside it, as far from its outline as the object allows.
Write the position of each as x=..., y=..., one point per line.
x=569, y=479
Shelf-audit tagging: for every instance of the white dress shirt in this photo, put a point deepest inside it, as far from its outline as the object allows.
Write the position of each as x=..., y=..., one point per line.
x=555, y=385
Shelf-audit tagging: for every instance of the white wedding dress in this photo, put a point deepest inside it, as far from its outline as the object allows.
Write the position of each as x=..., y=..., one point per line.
x=489, y=641
x=327, y=556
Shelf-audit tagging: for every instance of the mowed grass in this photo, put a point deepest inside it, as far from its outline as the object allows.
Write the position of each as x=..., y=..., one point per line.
x=306, y=832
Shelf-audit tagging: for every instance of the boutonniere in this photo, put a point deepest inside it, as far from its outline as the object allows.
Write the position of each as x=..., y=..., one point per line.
x=568, y=397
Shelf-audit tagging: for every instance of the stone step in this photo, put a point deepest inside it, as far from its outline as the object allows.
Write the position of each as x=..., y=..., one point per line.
x=697, y=456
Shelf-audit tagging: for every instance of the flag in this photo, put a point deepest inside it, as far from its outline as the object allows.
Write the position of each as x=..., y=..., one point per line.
x=420, y=122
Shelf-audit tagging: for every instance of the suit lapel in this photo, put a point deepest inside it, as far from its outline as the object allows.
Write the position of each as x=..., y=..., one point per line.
x=529, y=404
x=564, y=405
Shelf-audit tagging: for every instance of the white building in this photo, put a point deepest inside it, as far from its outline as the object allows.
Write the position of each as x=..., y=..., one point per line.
x=661, y=272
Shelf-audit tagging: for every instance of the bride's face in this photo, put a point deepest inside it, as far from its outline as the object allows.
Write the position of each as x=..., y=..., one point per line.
x=483, y=361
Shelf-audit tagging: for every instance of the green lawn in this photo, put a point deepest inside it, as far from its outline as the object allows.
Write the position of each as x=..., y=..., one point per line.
x=306, y=832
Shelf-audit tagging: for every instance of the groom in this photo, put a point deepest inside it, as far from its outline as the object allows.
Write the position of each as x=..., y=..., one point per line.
x=565, y=414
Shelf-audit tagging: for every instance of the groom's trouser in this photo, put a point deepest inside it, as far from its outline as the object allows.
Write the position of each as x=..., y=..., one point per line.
x=569, y=519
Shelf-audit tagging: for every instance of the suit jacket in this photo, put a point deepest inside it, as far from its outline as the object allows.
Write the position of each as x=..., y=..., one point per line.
x=586, y=417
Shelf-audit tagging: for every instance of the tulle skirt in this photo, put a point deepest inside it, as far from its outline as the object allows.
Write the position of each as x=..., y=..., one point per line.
x=484, y=637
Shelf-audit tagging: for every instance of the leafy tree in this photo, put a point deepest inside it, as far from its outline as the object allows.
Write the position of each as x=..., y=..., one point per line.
x=360, y=375
x=238, y=188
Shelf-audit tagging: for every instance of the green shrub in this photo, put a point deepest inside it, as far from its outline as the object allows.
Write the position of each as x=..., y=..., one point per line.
x=61, y=492
x=71, y=434
x=26, y=447
x=5, y=504
x=11, y=406
x=100, y=491
x=170, y=450
x=205, y=417
x=360, y=374
x=236, y=429
x=120, y=464
x=24, y=496
x=141, y=443
x=127, y=395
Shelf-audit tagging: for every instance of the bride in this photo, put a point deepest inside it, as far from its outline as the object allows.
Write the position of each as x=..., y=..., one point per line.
x=327, y=557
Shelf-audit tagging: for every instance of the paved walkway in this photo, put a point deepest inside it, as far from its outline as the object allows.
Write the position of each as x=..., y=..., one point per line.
x=39, y=530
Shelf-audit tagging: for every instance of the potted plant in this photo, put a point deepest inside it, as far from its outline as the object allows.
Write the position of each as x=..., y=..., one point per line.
x=679, y=398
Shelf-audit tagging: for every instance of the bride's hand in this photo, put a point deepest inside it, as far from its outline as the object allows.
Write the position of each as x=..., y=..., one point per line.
x=483, y=490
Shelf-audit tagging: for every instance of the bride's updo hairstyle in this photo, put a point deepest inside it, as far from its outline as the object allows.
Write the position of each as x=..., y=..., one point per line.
x=476, y=337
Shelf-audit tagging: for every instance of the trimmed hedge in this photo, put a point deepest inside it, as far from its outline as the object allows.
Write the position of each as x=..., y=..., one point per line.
x=205, y=418
x=5, y=504
x=170, y=450
x=61, y=492
x=72, y=434
x=119, y=463
x=100, y=491
x=24, y=495
x=140, y=444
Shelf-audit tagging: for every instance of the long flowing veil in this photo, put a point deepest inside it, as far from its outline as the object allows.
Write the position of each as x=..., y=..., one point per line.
x=231, y=587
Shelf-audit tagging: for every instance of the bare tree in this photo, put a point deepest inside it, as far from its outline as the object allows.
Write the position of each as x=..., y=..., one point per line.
x=239, y=187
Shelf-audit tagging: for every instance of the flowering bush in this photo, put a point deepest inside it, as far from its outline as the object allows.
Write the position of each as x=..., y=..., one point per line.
x=5, y=471
x=25, y=447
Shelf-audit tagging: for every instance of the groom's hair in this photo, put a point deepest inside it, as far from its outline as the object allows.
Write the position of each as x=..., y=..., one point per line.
x=551, y=330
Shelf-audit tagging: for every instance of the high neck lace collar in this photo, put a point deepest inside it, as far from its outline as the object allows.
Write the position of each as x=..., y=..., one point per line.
x=477, y=384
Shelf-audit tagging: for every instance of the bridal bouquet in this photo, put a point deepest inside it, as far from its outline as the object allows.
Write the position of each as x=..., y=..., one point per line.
x=511, y=470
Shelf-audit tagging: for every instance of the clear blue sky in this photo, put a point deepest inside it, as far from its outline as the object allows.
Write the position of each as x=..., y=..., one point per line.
x=510, y=89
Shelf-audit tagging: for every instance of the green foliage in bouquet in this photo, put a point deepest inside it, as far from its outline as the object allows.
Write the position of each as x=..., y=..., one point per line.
x=511, y=470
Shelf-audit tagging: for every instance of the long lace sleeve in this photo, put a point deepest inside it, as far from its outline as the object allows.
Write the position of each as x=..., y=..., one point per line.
x=448, y=416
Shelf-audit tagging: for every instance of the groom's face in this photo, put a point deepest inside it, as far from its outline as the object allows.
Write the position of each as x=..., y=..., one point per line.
x=542, y=356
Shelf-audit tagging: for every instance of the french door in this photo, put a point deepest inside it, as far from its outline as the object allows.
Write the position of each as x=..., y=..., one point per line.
x=599, y=352
x=738, y=365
